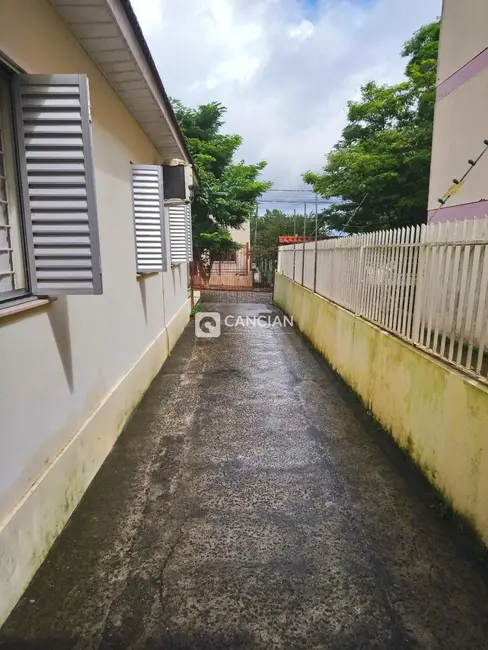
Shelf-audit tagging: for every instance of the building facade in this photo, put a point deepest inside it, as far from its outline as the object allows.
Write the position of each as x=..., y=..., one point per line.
x=243, y=237
x=460, y=127
x=93, y=257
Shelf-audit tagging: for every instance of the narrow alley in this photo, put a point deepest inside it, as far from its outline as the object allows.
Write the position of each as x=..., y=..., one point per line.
x=251, y=503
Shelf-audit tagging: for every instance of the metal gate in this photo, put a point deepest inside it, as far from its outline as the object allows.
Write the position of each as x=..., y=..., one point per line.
x=263, y=264
x=246, y=269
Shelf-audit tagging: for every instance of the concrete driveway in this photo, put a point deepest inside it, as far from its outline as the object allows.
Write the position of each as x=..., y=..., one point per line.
x=251, y=503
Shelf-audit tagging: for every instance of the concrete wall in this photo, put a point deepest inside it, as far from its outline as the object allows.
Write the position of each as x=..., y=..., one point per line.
x=72, y=372
x=460, y=121
x=437, y=415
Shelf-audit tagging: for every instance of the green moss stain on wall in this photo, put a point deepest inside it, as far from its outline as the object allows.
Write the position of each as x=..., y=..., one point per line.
x=438, y=416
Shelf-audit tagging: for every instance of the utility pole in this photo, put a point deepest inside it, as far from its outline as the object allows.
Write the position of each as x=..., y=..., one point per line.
x=256, y=228
x=316, y=216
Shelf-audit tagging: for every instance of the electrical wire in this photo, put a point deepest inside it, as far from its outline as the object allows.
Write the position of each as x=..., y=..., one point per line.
x=472, y=165
x=355, y=213
x=296, y=201
x=276, y=190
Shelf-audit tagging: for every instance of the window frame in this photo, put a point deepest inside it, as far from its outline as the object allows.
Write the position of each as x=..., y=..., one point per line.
x=8, y=71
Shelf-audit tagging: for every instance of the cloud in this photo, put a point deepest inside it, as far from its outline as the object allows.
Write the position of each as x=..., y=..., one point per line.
x=284, y=68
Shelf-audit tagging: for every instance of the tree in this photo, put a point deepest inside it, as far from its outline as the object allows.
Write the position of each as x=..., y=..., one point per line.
x=225, y=194
x=266, y=229
x=213, y=247
x=381, y=165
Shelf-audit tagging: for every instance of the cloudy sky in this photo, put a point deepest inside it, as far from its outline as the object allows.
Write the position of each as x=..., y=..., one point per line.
x=284, y=68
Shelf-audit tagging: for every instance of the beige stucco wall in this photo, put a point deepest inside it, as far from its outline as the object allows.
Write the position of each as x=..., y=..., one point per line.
x=463, y=34
x=436, y=414
x=460, y=116
x=459, y=131
x=65, y=363
x=35, y=38
x=242, y=235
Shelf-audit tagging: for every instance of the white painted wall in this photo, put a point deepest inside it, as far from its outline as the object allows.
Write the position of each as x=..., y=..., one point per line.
x=59, y=364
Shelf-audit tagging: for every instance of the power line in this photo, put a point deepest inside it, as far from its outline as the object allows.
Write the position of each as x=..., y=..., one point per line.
x=452, y=190
x=300, y=201
x=275, y=190
x=355, y=213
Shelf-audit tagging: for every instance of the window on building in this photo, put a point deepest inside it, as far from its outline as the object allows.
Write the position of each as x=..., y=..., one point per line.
x=49, y=242
x=12, y=261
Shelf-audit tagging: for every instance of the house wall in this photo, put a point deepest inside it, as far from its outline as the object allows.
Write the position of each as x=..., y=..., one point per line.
x=436, y=414
x=242, y=235
x=73, y=371
x=460, y=120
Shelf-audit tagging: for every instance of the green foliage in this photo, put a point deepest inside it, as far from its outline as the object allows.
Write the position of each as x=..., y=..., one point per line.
x=196, y=310
x=218, y=241
x=227, y=192
x=385, y=149
x=266, y=229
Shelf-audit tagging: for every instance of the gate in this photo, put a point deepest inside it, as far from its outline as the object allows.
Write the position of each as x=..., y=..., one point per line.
x=246, y=269
x=263, y=264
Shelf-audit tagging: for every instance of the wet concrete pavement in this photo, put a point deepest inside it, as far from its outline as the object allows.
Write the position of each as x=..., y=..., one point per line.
x=251, y=504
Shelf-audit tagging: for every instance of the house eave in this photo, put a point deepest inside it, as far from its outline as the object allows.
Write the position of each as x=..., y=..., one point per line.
x=109, y=32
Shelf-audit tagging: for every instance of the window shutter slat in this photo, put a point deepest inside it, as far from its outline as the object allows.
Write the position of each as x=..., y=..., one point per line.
x=58, y=187
x=189, y=232
x=178, y=233
x=148, y=204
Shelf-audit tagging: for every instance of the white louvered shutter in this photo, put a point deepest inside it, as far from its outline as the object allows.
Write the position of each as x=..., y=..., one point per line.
x=147, y=194
x=177, y=233
x=189, y=236
x=61, y=226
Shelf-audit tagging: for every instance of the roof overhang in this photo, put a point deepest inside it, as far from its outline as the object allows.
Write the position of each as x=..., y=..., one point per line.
x=109, y=32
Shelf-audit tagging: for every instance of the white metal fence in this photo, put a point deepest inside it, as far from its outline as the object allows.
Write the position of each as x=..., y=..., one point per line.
x=427, y=284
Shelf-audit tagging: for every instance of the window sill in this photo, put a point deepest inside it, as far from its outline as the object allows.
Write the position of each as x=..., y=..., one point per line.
x=143, y=276
x=24, y=307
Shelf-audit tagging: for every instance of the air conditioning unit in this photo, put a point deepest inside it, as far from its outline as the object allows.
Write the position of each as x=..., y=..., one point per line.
x=176, y=183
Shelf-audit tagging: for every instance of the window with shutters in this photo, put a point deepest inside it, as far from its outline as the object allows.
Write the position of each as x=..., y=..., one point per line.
x=148, y=209
x=58, y=185
x=12, y=261
x=178, y=233
x=49, y=242
x=189, y=234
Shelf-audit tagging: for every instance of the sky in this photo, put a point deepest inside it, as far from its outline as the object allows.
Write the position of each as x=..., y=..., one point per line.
x=284, y=69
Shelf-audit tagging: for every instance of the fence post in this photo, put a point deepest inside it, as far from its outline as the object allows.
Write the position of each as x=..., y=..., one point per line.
x=304, y=239
x=360, y=282
x=294, y=241
x=316, y=238
x=418, y=301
